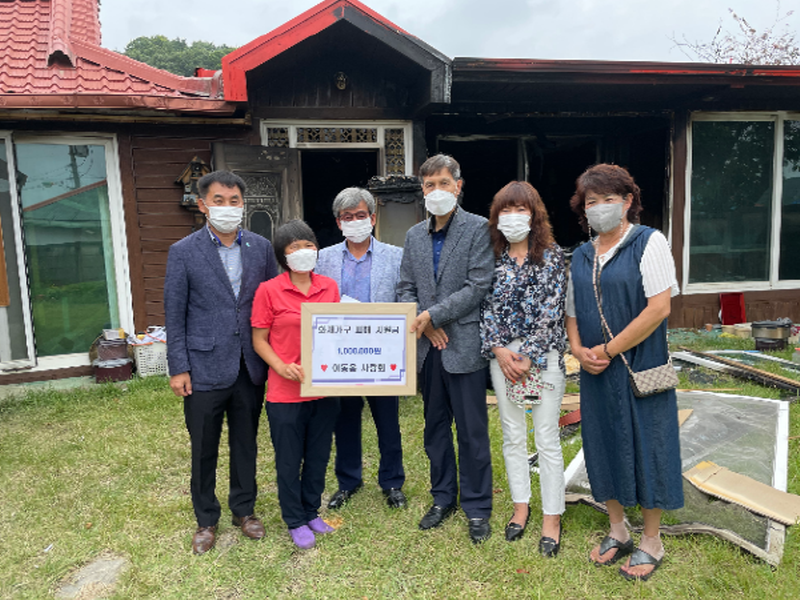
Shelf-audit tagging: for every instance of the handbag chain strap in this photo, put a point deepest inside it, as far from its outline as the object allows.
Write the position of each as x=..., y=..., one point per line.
x=596, y=272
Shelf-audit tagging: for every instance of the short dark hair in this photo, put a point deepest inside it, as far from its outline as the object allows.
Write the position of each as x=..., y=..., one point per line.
x=294, y=230
x=437, y=162
x=605, y=179
x=225, y=178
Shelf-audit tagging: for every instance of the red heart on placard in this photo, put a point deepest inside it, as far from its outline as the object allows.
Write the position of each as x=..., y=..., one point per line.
x=392, y=367
x=324, y=367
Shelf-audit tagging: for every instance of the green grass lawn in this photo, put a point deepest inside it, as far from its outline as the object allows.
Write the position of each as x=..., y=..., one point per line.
x=106, y=470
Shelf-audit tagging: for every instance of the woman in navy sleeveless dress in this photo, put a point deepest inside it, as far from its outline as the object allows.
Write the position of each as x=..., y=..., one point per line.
x=631, y=444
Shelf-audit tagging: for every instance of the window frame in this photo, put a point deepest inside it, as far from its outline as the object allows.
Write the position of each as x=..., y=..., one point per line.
x=119, y=239
x=22, y=270
x=773, y=283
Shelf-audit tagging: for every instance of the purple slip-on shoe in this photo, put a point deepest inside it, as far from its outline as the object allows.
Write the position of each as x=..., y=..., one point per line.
x=320, y=526
x=303, y=537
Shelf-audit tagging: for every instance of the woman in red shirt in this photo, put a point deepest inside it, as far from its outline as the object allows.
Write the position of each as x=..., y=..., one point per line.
x=301, y=428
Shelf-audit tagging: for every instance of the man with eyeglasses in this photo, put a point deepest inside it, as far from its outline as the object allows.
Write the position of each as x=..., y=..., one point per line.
x=365, y=270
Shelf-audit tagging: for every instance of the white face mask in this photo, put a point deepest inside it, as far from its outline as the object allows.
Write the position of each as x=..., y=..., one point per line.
x=302, y=261
x=515, y=226
x=440, y=202
x=225, y=219
x=605, y=217
x=357, y=231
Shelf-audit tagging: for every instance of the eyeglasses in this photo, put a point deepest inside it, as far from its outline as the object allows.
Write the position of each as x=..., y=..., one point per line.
x=359, y=216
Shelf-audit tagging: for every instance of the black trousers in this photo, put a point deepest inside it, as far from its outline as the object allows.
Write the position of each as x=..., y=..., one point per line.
x=204, y=413
x=461, y=396
x=301, y=434
x=348, y=441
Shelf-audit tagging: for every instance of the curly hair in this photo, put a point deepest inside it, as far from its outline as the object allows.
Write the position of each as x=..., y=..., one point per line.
x=522, y=193
x=605, y=179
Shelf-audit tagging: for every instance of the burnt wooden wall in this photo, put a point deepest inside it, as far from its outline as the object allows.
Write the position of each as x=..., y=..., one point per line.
x=696, y=310
x=150, y=161
x=300, y=83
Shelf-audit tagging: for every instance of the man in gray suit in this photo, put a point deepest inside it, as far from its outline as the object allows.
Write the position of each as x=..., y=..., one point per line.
x=447, y=270
x=365, y=270
x=212, y=276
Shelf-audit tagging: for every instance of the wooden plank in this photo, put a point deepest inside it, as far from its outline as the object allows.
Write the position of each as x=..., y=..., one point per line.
x=165, y=194
x=170, y=155
x=165, y=233
x=154, y=258
x=167, y=207
x=153, y=271
x=778, y=380
x=165, y=219
x=157, y=246
x=30, y=377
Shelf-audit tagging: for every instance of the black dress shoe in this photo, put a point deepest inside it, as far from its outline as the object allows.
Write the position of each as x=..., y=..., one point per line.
x=479, y=530
x=341, y=497
x=548, y=547
x=514, y=531
x=436, y=516
x=395, y=498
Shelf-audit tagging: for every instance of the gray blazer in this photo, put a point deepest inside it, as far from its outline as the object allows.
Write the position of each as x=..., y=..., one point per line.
x=384, y=274
x=453, y=299
x=208, y=328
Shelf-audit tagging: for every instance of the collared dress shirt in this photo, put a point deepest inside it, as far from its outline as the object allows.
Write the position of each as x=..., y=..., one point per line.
x=231, y=259
x=356, y=273
x=437, y=238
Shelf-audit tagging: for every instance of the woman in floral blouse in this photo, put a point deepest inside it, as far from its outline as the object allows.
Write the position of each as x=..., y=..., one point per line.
x=522, y=332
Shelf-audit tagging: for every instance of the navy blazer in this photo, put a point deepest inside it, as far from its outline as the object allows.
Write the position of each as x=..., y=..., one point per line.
x=208, y=328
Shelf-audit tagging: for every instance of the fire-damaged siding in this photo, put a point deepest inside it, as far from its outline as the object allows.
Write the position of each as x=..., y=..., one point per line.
x=150, y=163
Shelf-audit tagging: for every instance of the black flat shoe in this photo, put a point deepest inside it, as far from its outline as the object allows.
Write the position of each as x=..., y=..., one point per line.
x=479, y=530
x=341, y=497
x=395, y=498
x=514, y=531
x=435, y=516
x=548, y=547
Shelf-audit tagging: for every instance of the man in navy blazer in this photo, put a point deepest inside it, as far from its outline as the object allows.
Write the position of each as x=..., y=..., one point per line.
x=447, y=270
x=365, y=270
x=212, y=276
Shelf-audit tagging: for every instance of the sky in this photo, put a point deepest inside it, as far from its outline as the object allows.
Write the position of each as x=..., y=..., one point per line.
x=548, y=29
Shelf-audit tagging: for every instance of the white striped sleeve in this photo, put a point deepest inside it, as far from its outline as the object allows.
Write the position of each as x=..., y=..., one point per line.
x=657, y=267
x=569, y=307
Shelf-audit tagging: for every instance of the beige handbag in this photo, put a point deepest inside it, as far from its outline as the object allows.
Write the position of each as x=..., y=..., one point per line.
x=644, y=383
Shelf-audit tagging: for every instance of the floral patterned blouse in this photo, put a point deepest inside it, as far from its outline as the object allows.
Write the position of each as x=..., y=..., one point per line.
x=526, y=301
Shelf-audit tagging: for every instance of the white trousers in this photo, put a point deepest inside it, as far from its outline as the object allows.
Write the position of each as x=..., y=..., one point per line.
x=546, y=434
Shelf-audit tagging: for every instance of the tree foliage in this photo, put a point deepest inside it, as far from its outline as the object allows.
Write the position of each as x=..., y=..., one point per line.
x=176, y=56
x=745, y=45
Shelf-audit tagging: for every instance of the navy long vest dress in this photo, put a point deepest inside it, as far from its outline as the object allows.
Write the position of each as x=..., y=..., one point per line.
x=631, y=445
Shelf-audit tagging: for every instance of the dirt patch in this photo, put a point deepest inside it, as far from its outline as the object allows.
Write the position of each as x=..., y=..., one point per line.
x=96, y=579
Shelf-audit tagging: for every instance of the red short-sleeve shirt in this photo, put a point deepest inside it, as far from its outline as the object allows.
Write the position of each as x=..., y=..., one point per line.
x=277, y=307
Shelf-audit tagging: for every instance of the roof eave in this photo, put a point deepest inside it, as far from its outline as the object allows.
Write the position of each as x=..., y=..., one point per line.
x=117, y=102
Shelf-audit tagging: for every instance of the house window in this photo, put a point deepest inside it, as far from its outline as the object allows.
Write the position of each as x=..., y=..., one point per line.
x=68, y=244
x=744, y=214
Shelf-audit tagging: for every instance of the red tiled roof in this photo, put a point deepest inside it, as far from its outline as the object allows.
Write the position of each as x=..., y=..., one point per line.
x=52, y=48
